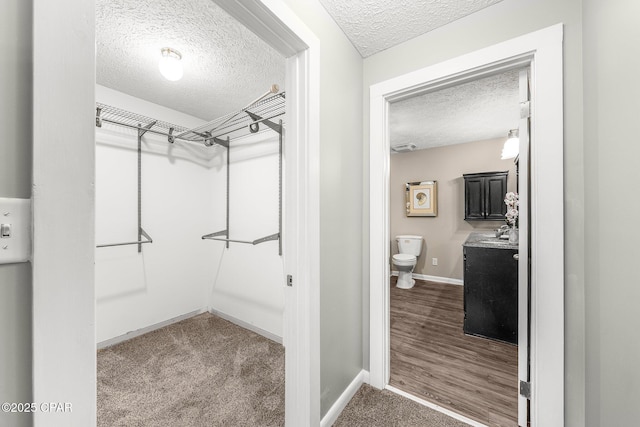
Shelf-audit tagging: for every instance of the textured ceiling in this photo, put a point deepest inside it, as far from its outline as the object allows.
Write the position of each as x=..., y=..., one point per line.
x=481, y=109
x=225, y=65
x=375, y=25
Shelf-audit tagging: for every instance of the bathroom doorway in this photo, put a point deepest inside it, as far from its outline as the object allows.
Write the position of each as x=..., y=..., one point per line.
x=432, y=341
x=542, y=51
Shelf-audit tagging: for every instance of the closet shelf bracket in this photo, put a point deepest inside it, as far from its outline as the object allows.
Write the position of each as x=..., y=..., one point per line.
x=143, y=129
x=216, y=234
x=275, y=236
x=210, y=140
x=253, y=127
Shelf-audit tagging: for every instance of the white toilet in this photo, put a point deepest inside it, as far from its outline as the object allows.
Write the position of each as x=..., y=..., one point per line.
x=410, y=248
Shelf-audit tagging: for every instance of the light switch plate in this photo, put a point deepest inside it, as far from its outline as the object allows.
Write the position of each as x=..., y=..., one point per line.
x=15, y=213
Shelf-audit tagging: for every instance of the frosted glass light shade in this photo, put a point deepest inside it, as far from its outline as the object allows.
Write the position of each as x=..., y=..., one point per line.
x=511, y=146
x=170, y=65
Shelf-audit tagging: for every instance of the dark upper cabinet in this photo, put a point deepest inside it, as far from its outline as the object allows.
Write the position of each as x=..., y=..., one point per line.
x=484, y=196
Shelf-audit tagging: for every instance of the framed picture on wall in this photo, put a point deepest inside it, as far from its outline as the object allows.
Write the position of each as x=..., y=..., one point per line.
x=422, y=198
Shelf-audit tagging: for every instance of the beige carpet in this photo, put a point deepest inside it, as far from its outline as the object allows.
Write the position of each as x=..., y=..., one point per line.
x=371, y=407
x=206, y=371
x=203, y=371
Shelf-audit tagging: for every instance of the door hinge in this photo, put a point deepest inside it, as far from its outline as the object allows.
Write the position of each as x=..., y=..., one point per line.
x=525, y=110
x=525, y=389
x=289, y=280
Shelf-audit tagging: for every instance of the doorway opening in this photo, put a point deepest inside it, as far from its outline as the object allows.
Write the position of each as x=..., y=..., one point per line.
x=455, y=320
x=207, y=137
x=70, y=360
x=542, y=52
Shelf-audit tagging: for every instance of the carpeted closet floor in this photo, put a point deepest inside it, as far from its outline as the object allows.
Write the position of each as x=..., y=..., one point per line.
x=203, y=371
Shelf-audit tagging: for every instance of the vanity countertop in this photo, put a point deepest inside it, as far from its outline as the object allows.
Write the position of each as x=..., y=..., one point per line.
x=487, y=239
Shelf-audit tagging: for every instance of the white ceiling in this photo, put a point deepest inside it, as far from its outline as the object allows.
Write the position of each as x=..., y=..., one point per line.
x=375, y=25
x=225, y=65
x=478, y=110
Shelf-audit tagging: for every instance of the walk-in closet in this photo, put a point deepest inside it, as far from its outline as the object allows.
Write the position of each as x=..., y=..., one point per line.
x=189, y=217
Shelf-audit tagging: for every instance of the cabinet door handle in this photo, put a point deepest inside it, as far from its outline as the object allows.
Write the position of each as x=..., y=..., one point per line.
x=516, y=256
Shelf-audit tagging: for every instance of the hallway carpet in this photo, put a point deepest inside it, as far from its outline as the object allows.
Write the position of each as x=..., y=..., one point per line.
x=203, y=371
x=371, y=407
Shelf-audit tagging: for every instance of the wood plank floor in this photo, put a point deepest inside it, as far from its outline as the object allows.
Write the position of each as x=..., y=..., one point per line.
x=433, y=359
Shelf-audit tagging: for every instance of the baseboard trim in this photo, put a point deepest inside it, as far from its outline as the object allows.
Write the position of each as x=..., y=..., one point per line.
x=336, y=409
x=246, y=325
x=435, y=407
x=147, y=329
x=438, y=279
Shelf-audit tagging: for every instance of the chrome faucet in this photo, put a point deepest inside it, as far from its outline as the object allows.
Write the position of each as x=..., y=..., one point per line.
x=502, y=230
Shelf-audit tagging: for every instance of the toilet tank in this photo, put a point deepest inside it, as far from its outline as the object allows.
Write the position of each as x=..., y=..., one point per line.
x=408, y=244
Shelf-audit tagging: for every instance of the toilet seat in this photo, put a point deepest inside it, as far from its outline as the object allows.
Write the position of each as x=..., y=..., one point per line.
x=404, y=260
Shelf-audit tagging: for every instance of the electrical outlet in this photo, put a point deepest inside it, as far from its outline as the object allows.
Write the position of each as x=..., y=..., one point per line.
x=434, y=261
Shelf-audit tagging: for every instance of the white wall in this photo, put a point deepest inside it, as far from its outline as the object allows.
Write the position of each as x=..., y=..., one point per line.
x=497, y=23
x=611, y=95
x=249, y=282
x=15, y=181
x=172, y=276
x=340, y=202
x=184, y=198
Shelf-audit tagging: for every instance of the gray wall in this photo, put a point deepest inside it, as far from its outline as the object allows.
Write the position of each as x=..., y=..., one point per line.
x=340, y=203
x=15, y=181
x=599, y=171
x=611, y=111
x=502, y=21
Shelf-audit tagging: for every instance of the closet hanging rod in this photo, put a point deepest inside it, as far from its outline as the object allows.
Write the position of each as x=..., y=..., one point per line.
x=265, y=108
x=141, y=232
x=274, y=89
x=216, y=124
x=117, y=116
x=277, y=236
x=139, y=242
x=250, y=126
x=268, y=238
x=270, y=107
x=157, y=132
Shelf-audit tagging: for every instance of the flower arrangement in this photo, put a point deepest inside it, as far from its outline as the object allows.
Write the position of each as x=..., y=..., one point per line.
x=512, y=202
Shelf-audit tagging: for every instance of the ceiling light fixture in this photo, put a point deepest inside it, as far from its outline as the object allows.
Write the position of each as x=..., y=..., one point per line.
x=511, y=146
x=170, y=65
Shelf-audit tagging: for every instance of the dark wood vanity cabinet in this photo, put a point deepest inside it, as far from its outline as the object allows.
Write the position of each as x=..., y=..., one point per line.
x=491, y=293
x=484, y=196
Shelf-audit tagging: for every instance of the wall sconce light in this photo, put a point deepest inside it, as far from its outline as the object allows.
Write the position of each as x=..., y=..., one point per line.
x=511, y=146
x=170, y=65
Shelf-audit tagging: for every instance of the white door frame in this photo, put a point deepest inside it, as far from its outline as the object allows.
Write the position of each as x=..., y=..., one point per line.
x=542, y=50
x=64, y=342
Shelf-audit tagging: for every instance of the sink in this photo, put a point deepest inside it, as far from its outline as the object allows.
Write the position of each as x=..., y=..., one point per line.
x=488, y=240
x=495, y=241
